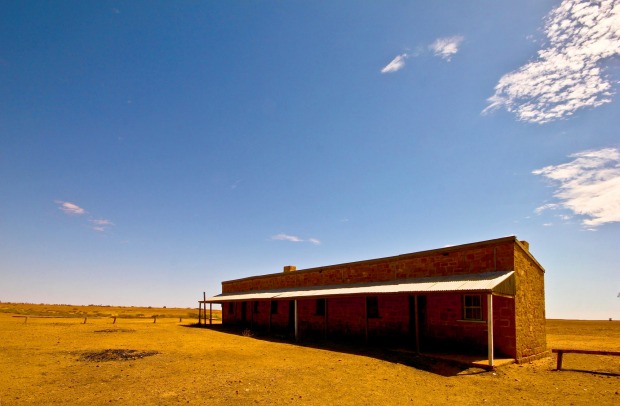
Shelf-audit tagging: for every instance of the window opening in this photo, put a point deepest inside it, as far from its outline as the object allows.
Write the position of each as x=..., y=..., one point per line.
x=372, y=307
x=472, y=307
x=320, y=307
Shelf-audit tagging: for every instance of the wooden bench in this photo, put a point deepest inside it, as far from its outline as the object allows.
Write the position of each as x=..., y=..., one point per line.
x=561, y=352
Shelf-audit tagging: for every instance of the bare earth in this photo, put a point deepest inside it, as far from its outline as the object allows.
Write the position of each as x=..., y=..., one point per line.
x=136, y=361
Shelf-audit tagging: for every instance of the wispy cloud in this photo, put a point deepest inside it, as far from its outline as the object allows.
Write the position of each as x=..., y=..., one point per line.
x=443, y=47
x=566, y=75
x=396, y=64
x=69, y=208
x=286, y=237
x=446, y=47
x=314, y=241
x=294, y=238
x=589, y=186
x=73, y=209
x=101, y=224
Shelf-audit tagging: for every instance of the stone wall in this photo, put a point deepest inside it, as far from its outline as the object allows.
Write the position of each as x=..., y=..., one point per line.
x=488, y=256
x=530, y=319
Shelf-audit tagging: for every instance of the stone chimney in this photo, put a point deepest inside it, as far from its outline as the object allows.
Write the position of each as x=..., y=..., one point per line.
x=290, y=268
x=525, y=244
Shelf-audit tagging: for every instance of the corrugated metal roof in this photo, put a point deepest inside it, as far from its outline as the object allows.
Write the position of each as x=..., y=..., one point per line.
x=496, y=282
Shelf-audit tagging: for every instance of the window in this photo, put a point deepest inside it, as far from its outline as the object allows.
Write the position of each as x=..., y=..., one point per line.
x=320, y=307
x=274, y=307
x=231, y=308
x=372, y=307
x=256, y=306
x=472, y=307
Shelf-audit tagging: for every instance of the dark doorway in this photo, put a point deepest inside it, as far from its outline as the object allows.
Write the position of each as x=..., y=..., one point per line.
x=420, y=334
x=244, y=306
x=291, y=318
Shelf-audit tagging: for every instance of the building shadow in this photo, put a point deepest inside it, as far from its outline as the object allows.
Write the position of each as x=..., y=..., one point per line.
x=444, y=363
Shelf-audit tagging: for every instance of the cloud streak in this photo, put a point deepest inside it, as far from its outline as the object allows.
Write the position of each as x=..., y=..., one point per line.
x=71, y=209
x=446, y=47
x=589, y=186
x=396, y=64
x=566, y=76
x=294, y=238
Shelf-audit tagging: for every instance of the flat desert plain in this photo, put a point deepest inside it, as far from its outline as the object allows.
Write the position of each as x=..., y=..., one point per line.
x=62, y=360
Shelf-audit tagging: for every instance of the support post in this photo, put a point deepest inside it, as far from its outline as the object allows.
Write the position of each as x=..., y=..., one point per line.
x=210, y=314
x=490, y=327
x=366, y=318
x=417, y=324
x=199, y=312
x=326, y=312
x=559, y=364
x=204, y=307
x=296, y=324
x=269, y=328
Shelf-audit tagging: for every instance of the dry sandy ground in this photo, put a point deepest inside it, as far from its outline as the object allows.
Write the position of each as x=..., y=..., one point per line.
x=61, y=361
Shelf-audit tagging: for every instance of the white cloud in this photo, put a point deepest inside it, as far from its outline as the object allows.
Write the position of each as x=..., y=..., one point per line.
x=73, y=209
x=70, y=208
x=589, y=186
x=396, y=64
x=446, y=47
x=566, y=75
x=286, y=237
x=101, y=225
x=294, y=238
x=101, y=222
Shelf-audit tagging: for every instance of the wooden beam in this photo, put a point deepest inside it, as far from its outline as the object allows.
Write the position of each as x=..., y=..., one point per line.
x=210, y=313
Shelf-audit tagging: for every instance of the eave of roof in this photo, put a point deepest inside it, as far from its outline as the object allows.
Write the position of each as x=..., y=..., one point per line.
x=489, y=282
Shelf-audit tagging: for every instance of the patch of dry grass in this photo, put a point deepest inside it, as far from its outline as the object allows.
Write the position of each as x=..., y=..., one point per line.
x=41, y=363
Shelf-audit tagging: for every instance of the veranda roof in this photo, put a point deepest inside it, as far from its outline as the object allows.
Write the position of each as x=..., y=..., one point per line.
x=501, y=282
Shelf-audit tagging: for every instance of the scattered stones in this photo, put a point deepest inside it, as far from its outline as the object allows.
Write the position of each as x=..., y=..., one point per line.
x=115, y=355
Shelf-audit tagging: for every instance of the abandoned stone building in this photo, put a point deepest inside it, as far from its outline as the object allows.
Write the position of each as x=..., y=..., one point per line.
x=483, y=297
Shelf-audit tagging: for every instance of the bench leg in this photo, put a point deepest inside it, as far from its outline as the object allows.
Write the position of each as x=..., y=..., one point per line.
x=559, y=365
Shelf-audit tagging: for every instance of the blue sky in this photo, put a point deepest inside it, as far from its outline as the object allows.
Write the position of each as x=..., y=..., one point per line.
x=150, y=150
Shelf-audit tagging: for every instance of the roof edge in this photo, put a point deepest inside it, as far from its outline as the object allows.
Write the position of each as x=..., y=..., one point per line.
x=453, y=248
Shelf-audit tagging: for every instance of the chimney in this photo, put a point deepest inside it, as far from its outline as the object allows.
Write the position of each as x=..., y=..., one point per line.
x=525, y=244
x=290, y=268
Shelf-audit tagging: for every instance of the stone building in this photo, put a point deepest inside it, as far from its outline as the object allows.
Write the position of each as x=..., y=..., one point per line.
x=484, y=297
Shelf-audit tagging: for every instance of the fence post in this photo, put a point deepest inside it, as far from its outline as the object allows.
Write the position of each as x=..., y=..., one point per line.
x=114, y=321
x=84, y=320
x=154, y=319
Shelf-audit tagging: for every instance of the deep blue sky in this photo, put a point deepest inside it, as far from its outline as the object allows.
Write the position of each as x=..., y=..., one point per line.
x=150, y=150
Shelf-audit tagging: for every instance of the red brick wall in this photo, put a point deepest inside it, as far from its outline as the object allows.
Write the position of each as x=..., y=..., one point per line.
x=476, y=258
x=444, y=328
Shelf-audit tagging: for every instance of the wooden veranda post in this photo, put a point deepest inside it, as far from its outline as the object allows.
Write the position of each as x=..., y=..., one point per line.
x=417, y=324
x=366, y=318
x=210, y=313
x=490, y=326
x=325, y=317
x=296, y=323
